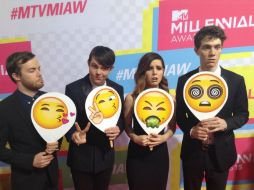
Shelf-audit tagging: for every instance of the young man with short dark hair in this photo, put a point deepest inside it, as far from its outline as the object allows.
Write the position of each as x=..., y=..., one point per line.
x=211, y=159
x=33, y=161
x=90, y=156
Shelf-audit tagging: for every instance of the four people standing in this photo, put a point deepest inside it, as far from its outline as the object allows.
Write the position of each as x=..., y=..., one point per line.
x=90, y=156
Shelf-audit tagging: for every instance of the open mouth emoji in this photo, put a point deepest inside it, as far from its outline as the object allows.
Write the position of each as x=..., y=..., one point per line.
x=205, y=92
x=153, y=122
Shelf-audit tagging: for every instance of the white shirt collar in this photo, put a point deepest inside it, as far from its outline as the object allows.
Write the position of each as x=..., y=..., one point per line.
x=95, y=86
x=217, y=71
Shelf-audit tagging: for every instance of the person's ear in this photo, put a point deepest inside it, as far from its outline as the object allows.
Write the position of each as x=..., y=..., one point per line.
x=196, y=50
x=15, y=76
x=111, y=68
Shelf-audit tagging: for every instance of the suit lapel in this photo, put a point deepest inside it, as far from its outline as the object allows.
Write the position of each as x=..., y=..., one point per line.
x=224, y=76
x=86, y=86
x=228, y=82
x=109, y=83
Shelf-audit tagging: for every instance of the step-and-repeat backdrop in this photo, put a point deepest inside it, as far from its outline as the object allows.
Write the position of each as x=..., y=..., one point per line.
x=62, y=33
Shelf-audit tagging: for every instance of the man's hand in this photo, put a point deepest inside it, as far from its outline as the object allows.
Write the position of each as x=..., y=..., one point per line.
x=112, y=132
x=199, y=132
x=42, y=160
x=214, y=124
x=51, y=147
x=79, y=136
x=96, y=115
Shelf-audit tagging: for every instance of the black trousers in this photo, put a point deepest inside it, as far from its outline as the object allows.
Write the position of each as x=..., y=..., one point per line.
x=91, y=181
x=194, y=175
x=37, y=179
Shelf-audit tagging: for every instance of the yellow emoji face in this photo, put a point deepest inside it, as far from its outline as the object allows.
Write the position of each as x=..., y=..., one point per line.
x=107, y=102
x=50, y=113
x=205, y=93
x=153, y=108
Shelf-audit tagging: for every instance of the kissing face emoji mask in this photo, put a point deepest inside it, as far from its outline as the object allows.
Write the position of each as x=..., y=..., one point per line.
x=53, y=114
x=50, y=112
x=205, y=94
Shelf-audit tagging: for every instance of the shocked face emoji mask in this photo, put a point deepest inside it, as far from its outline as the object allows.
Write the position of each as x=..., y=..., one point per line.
x=205, y=92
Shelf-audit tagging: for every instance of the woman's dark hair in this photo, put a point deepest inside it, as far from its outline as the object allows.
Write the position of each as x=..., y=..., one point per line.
x=140, y=75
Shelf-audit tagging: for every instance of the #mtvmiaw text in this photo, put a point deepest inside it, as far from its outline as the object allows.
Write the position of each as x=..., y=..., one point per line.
x=46, y=10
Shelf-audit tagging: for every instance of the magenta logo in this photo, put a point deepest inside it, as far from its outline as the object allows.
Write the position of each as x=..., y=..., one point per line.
x=178, y=24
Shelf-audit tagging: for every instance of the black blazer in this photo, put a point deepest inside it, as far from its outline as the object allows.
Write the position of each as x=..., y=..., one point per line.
x=17, y=129
x=96, y=155
x=235, y=113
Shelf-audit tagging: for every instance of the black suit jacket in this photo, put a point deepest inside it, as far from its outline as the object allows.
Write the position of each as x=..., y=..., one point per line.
x=95, y=155
x=235, y=113
x=17, y=129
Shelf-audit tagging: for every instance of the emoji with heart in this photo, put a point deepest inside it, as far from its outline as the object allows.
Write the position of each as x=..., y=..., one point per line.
x=50, y=113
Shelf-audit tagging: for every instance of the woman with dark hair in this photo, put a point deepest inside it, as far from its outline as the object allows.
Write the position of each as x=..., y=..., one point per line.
x=146, y=168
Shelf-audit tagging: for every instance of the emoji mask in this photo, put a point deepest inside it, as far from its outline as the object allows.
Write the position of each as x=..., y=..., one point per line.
x=50, y=112
x=107, y=102
x=103, y=107
x=153, y=108
x=205, y=92
x=53, y=114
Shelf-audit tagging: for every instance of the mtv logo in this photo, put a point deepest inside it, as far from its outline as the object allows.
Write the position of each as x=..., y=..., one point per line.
x=180, y=15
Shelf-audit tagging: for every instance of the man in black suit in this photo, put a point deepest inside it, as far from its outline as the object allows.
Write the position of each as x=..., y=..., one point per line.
x=90, y=156
x=202, y=158
x=33, y=161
